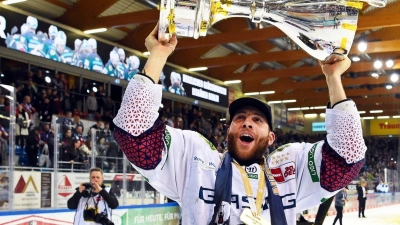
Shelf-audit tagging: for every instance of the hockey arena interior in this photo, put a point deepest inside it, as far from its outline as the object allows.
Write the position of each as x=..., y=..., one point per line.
x=67, y=66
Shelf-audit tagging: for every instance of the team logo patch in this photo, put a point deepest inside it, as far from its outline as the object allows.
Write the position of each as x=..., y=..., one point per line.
x=284, y=172
x=251, y=169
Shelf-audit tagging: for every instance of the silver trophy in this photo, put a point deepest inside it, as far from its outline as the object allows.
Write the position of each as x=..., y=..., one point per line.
x=319, y=27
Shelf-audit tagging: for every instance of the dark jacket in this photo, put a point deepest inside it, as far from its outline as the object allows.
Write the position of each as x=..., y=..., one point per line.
x=110, y=199
x=360, y=192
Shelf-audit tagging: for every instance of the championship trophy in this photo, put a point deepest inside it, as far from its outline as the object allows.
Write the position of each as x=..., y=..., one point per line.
x=320, y=27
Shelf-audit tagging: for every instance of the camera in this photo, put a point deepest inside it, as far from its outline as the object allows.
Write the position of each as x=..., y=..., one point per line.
x=88, y=189
x=102, y=219
x=90, y=214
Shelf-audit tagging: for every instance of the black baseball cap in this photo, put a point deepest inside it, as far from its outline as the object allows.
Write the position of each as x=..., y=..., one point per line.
x=246, y=101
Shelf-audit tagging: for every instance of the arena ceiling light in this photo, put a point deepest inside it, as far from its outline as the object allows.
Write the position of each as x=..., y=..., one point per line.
x=289, y=101
x=398, y=116
x=378, y=64
x=389, y=63
x=383, y=117
x=47, y=79
x=394, y=77
x=376, y=111
x=293, y=109
x=375, y=75
x=251, y=93
x=232, y=81
x=98, y=30
x=318, y=107
x=267, y=92
x=361, y=112
x=9, y=2
x=311, y=115
x=198, y=69
x=388, y=87
x=362, y=46
x=2, y=75
x=355, y=59
x=368, y=118
x=322, y=114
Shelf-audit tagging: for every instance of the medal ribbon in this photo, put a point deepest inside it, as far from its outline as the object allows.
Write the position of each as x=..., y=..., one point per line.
x=255, y=207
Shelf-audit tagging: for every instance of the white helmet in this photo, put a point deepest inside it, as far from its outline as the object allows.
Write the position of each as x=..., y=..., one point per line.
x=24, y=28
x=61, y=38
x=114, y=56
x=175, y=76
x=53, y=30
x=92, y=43
x=77, y=42
x=121, y=52
x=32, y=22
x=134, y=60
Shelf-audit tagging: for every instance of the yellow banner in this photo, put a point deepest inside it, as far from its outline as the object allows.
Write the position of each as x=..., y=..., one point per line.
x=385, y=127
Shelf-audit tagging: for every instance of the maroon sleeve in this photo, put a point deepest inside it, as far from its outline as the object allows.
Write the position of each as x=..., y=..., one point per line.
x=335, y=172
x=145, y=150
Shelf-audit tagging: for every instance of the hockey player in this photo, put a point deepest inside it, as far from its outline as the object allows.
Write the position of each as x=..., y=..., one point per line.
x=132, y=67
x=59, y=51
x=53, y=30
x=176, y=84
x=113, y=67
x=17, y=41
x=93, y=61
x=240, y=185
x=76, y=53
x=35, y=47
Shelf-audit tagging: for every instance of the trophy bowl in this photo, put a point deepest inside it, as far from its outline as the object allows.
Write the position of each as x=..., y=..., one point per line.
x=319, y=27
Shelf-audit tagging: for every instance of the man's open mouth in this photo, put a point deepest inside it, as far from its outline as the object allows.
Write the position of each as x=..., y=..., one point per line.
x=246, y=138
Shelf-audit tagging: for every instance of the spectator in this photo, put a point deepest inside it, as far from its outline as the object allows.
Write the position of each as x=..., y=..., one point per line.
x=39, y=80
x=32, y=146
x=101, y=97
x=56, y=102
x=77, y=122
x=21, y=126
x=79, y=134
x=68, y=103
x=28, y=106
x=30, y=91
x=108, y=118
x=46, y=111
x=19, y=94
x=68, y=123
x=97, y=127
x=81, y=97
x=57, y=83
x=67, y=138
x=91, y=103
x=108, y=105
x=106, y=132
x=86, y=148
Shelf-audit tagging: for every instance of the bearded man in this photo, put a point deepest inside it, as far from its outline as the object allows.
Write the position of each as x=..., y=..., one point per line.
x=240, y=186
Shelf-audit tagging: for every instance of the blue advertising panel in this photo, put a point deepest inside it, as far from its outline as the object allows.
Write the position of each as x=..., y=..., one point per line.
x=318, y=126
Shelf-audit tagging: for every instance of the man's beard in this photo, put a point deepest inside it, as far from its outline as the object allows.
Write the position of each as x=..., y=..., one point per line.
x=256, y=153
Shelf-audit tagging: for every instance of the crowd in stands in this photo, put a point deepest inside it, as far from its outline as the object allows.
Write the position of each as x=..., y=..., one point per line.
x=38, y=100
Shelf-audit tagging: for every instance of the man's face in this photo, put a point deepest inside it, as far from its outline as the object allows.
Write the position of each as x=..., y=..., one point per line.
x=364, y=184
x=96, y=177
x=27, y=99
x=79, y=130
x=69, y=115
x=249, y=134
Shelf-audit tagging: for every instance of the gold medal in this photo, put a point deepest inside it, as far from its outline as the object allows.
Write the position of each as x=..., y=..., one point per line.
x=248, y=218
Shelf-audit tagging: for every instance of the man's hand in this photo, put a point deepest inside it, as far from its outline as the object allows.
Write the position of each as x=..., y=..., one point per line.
x=335, y=65
x=81, y=188
x=160, y=47
x=96, y=187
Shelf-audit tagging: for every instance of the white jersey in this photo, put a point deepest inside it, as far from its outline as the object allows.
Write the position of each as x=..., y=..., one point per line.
x=182, y=164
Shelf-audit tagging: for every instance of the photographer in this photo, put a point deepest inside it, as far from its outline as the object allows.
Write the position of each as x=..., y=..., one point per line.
x=92, y=202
